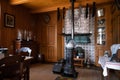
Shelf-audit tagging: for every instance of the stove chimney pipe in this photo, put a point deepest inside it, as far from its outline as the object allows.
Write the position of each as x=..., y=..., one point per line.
x=72, y=3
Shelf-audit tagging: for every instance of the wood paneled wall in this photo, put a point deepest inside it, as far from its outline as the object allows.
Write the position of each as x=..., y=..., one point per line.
x=46, y=35
x=115, y=22
x=23, y=20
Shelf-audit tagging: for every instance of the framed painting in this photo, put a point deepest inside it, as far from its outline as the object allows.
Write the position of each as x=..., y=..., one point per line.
x=9, y=20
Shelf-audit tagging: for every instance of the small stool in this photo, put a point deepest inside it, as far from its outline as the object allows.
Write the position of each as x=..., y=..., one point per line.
x=78, y=61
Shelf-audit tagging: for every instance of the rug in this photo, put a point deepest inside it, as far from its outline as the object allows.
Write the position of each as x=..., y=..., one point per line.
x=64, y=78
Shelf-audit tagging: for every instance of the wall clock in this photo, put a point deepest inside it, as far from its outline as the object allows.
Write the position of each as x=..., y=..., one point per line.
x=46, y=18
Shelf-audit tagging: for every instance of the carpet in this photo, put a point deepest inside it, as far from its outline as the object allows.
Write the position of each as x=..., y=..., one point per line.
x=64, y=78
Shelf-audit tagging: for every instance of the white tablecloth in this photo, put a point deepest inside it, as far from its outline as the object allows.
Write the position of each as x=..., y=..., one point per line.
x=102, y=60
x=106, y=63
x=2, y=55
x=110, y=65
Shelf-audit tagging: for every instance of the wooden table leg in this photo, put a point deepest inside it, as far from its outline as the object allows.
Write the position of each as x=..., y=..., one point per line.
x=27, y=74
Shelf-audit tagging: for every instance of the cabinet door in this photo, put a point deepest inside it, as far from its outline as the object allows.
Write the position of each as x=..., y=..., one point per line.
x=106, y=35
x=51, y=54
x=51, y=44
x=116, y=29
x=99, y=52
x=49, y=48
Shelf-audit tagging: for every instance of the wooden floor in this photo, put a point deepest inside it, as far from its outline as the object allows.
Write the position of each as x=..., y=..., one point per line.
x=44, y=72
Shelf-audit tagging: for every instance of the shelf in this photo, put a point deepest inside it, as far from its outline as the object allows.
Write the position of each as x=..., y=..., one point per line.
x=78, y=34
x=79, y=38
x=78, y=61
x=99, y=26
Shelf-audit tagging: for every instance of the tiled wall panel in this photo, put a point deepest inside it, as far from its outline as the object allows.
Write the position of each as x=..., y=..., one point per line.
x=81, y=25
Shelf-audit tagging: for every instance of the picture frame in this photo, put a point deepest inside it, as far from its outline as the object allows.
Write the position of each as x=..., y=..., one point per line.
x=9, y=20
x=100, y=12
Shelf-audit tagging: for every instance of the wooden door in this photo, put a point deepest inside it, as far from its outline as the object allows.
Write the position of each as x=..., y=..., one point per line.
x=47, y=37
x=48, y=44
x=51, y=54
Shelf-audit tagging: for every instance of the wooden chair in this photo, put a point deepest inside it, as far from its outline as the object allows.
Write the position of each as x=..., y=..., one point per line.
x=11, y=68
x=25, y=51
x=26, y=69
x=25, y=65
x=24, y=54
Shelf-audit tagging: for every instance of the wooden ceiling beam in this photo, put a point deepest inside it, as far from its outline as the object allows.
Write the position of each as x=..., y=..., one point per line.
x=52, y=5
x=46, y=9
x=17, y=2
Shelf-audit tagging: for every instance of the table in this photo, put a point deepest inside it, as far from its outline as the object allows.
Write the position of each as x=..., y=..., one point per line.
x=107, y=64
x=110, y=65
x=78, y=61
x=27, y=61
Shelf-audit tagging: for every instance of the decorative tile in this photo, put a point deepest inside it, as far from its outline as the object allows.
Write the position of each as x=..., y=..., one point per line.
x=81, y=25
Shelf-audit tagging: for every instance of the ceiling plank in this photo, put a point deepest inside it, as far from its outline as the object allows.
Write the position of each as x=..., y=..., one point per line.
x=38, y=6
x=46, y=9
x=17, y=2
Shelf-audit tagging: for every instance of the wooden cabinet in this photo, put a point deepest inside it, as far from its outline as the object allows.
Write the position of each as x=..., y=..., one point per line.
x=78, y=61
x=112, y=33
x=106, y=41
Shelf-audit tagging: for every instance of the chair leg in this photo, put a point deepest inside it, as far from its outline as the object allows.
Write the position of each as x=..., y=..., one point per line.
x=106, y=78
x=101, y=72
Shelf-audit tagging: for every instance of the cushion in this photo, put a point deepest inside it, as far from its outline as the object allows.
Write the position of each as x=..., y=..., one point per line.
x=114, y=57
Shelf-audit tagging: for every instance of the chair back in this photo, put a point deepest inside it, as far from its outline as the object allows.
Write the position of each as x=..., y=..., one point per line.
x=24, y=54
x=25, y=51
x=118, y=55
